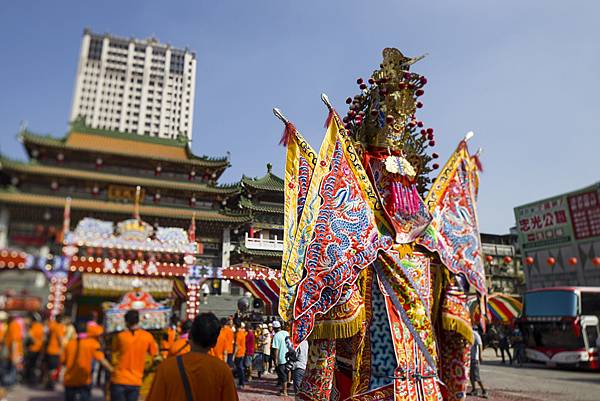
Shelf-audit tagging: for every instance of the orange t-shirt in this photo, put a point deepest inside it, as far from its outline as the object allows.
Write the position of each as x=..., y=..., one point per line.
x=36, y=333
x=228, y=336
x=240, y=341
x=56, y=332
x=180, y=346
x=131, y=348
x=14, y=336
x=171, y=336
x=79, y=361
x=209, y=378
x=2, y=332
x=220, y=347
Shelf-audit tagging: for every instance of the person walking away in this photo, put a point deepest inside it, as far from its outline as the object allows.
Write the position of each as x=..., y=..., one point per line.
x=205, y=292
x=250, y=351
x=181, y=346
x=14, y=345
x=78, y=357
x=504, y=345
x=474, y=374
x=279, y=351
x=239, y=350
x=56, y=333
x=169, y=336
x=131, y=348
x=300, y=365
x=518, y=346
x=195, y=376
x=220, y=348
x=35, y=343
x=95, y=330
x=228, y=337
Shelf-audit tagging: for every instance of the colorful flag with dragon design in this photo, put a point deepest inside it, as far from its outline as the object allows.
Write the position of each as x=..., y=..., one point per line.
x=337, y=235
x=454, y=230
x=299, y=167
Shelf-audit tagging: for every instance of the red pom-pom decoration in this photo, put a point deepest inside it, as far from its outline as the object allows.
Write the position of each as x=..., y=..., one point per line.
x=551, y=261
x=363, y=86
x=435, y=166
x=489, y=258
x=420, y=124
x=434, y=155
x=596, y=261
x=348, y=100
x=419, y=105
x=507, y=259
x=432, y=143
x=572, y=261
x=420, y=92
x=529, y=261
x=359, y=81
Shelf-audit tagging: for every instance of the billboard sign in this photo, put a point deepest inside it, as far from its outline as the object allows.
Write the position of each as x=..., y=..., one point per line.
x=544, y=223
x=559, y=220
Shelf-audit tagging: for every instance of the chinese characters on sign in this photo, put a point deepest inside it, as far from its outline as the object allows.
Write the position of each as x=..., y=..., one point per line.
x=544, y=223
x=585, y=214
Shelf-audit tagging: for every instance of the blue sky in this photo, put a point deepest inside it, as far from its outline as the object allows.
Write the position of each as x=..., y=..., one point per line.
x=524, y=75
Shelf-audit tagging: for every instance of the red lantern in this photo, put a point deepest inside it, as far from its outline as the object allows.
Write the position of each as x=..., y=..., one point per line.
x=551, y=261
x=507, y=259
x=489, y=258
x=529, y=261
x=596, y=261
x=572, y=261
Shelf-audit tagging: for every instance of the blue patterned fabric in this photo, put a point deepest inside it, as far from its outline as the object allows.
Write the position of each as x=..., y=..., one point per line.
x=383, y=358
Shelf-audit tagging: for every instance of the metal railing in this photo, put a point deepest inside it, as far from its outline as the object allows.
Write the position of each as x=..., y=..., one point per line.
x=265, y=244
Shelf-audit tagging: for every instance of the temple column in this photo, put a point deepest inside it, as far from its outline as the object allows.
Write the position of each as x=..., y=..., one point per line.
x=4, y=219
x=226, y=257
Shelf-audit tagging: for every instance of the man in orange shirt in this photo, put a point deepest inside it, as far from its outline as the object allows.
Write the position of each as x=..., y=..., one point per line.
x=220, y=348
x=181, y=345
x=35, y=335
x=239, y=351
x=228, y=339
x=170, y=336
x=195, y=375
x=131, y=348
x=56, y=334
x=78, y=358
x=14, y=345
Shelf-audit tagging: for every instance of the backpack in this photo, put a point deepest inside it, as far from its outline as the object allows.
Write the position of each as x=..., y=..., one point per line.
x=291, y=355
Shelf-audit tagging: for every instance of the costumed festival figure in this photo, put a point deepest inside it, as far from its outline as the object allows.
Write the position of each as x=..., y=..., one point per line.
x=378, y=257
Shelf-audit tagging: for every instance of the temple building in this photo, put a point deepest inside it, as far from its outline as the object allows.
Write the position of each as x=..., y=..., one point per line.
x=99, y=170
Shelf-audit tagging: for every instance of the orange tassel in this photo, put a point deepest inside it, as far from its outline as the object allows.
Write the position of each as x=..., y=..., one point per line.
x=287, y=134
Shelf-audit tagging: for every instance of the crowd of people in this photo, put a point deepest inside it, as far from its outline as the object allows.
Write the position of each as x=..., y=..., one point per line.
x=502, y=339
x=215, y=353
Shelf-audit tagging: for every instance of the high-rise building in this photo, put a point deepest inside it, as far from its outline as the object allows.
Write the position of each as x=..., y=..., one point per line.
x=136, y=86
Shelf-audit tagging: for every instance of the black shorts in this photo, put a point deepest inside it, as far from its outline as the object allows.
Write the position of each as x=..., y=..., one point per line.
x=474, y=372
x=53, y=361
x=282, y=373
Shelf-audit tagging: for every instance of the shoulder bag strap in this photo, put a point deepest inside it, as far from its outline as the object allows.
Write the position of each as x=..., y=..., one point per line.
x=184, y=379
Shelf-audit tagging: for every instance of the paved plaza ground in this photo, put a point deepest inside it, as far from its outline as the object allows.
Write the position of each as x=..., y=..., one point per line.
x=505, y=383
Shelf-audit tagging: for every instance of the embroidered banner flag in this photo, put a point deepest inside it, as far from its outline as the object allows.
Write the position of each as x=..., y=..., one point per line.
x=299, y=167
x=337, y=235
x=454, y=230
